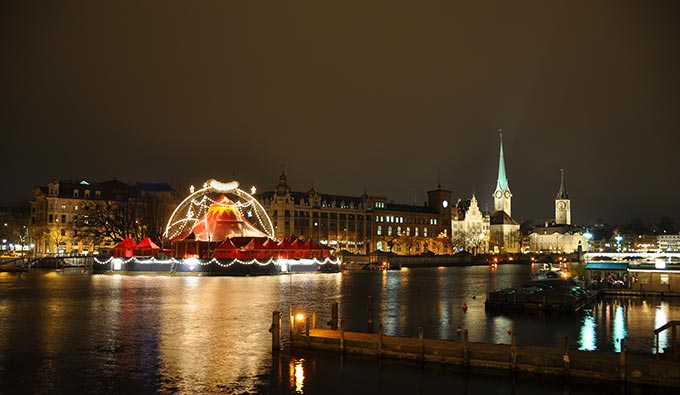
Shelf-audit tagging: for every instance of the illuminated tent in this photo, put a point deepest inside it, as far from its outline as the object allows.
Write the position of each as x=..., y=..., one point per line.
x=146, y=247
x=224, y=220
x=125, y=249
x=285, y=249
x=227, y=250
x=255, y=249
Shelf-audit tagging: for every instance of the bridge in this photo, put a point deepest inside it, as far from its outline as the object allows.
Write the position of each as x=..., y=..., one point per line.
x=620, y=256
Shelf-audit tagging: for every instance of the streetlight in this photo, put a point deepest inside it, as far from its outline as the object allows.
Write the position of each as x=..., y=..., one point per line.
x=618, y=239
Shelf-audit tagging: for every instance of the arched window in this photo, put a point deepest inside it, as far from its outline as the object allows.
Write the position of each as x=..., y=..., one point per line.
x=389, y=231
x=424, y=232
x=416, y=231
x=408, y=231
x=398, y=230
x=378, y=246
x=379, y=231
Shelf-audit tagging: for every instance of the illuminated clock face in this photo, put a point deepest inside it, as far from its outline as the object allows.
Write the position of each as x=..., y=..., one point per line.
x=499, y=194
x=507, y=194
x=561, y=206
x=445, y=203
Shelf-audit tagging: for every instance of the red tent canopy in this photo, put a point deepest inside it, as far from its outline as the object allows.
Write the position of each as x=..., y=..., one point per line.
x=224, y=220
x=257, y=250
x=124, y=248
x=146, y=247
x=227, y=250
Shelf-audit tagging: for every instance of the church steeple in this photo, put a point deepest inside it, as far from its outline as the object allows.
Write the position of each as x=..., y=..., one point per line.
x=502, y=183
x=562, y=204
x=562, y=194
x=502, y=196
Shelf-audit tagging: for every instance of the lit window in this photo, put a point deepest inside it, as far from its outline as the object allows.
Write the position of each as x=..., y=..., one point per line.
x=389, y=231
x=424, y=232
x=379, y=231
x=63, y=207
x=408, y=231
x=663, y=279
x=416, y=232
x=398, y=230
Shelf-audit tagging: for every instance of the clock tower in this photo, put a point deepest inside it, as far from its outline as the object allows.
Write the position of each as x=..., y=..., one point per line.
x=502, y=197
x=562, y=205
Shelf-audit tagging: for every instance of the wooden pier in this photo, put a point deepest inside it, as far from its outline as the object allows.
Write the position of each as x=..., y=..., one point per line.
x=561, y=361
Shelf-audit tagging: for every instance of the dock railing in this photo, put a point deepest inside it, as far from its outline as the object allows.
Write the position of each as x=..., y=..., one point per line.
x=673, y=325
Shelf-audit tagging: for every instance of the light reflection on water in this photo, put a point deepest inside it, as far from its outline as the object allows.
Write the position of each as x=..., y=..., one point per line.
x=66, y=332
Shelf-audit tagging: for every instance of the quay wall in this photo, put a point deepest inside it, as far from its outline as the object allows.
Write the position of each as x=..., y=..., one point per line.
x=532, y=360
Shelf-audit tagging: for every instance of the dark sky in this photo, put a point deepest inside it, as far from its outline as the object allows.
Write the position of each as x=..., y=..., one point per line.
x=382, y=95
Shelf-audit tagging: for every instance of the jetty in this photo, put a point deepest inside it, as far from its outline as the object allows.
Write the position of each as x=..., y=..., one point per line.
x=560, y=361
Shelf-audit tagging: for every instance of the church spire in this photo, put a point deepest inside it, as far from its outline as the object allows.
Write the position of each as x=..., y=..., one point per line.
x=562, y=194
x=502, y=182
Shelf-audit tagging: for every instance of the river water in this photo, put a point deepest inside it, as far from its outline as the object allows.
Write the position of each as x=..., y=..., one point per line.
x=74, y=332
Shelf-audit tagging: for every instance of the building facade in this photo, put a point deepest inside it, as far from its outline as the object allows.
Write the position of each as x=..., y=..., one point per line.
x=69, y=217
x=469, y=227
x=360, y=224
x=669, y=243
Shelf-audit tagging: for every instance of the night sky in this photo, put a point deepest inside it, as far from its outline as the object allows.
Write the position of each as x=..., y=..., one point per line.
x=389, y=96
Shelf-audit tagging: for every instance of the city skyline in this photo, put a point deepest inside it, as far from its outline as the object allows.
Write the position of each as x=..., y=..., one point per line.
x=390, y=98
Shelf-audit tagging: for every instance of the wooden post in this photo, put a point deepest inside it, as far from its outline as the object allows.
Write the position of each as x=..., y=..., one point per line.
x=370, y=314
x=674, y=339
x=466, y=350
x=565, y=357
x=380, y=340
x=657, y=345
x=275, y=330
x=342, y=338
x=622, y=361
x=421, y=344
x=334, y=315
x=313, y=319
x=513, y=352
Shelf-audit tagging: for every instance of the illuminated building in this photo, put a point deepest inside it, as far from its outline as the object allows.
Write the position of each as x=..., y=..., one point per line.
x=361, y=224
x=504, y=235
x=560, y=236
x=469, y=227
x=62, y=216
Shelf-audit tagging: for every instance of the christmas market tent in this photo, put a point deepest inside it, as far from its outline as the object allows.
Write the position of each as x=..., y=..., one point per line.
x=227, y=250
x=284, y=248
x=125, y=249
x=146, y=247
x=255, y=249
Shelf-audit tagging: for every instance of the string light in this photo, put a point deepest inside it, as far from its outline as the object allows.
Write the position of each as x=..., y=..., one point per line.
x=195, y=261
x=196, y=205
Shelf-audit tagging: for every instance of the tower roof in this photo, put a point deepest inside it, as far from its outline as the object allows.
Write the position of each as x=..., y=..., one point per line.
x=562, y=194
x=502, y=182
